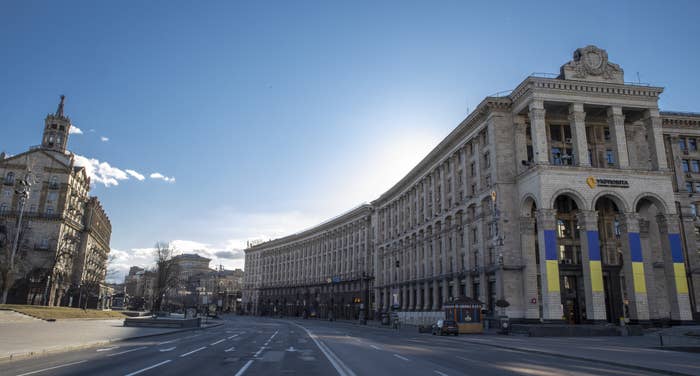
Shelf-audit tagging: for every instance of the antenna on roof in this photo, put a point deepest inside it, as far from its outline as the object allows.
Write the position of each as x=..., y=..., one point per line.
x=639, y=80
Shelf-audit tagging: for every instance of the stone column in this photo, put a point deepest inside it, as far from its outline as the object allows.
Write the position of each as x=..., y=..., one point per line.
x=411, y=301
x=633, y=261
x=577, y=123
x=527, y=248
x=387, y=299
x=436, y=293
x=538, y=132
x=657, y=154
x=676, y=157
x=674, y=267
x=549, y=265
x=426, y=296
x=591, y=265
x=616, y=123
x=404, y=298
x=520, y=128
x=688, y=227
x=419, y=298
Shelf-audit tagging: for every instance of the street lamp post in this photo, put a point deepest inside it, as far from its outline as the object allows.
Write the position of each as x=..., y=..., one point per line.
x=23, y=191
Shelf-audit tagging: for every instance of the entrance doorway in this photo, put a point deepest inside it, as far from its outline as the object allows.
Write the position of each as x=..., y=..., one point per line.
x=573, y=297
x=611, y=257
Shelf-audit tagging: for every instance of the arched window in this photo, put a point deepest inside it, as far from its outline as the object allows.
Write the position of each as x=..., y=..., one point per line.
x=10, y=178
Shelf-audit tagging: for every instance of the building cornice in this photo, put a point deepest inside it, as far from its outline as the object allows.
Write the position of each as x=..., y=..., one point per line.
x=356, y=213
x=444, y=148
x=672, y=119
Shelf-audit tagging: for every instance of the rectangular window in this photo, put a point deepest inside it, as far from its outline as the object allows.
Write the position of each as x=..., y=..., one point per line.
x=473, y=169
x=693, y=210
x=689, y=187
x=610, y=157
x=695, y=165
x=487, y=160
x=684, y=164
x=697, y=187
x=692, y=144
x=681, y=143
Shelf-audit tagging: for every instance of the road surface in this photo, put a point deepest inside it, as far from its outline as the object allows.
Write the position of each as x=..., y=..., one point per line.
x=260, y=346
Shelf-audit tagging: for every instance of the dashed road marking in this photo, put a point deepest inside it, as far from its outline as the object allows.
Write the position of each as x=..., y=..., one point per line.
x=233, y=336
x=193, y=351
x=108, y=348
x=230, y=349
x=54, y=367
x=168, y=349
x=440, y=373
x=244, y=368
x=128, y=351
x=151, y=367
x=401, y=357
x=375, y=347
x=218, y=342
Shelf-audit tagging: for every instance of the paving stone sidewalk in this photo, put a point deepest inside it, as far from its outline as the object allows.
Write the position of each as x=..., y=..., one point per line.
x=637, y=352
x=21, y=338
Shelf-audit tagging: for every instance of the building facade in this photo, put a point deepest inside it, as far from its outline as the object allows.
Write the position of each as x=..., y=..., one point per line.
x=63, y=243
x=572, y=198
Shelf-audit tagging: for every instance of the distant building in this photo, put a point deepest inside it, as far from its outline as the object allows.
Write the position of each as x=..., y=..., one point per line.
x=65, y=233
x=199, y=286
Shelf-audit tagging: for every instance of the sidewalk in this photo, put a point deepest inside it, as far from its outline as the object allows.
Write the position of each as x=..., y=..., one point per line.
x=639, y=352
x=24, y=338
x=634, y=352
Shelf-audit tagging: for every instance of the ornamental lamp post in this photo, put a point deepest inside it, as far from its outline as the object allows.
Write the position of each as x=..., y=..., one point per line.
x=23, y=191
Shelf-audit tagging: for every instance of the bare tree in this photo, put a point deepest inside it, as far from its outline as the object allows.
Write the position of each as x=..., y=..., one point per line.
x=166, y=273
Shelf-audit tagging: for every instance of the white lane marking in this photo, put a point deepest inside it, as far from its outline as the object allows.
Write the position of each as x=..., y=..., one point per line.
x=230, y=349
x=463, y=358
x=259, y=351
x=128, y=351
x=193, y=351
x=245, y=367
x=233, y=336
x=401, y=357
x=440, y=373
x=218, y=342
x=168, y=349
x=108, y=348
x=151, y=367
x=54, y=367
x=375, y=347
x=165, y=342
x=340, y=367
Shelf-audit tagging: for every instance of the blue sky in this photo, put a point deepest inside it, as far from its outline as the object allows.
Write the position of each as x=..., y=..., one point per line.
x=273, y=116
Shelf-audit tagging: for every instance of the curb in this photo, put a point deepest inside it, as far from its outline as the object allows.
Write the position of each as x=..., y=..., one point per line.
x=608, y=362
x=32, y=354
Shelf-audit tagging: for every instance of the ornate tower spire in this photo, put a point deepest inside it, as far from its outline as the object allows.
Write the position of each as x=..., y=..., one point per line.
x=56, y=129
x=59, y=110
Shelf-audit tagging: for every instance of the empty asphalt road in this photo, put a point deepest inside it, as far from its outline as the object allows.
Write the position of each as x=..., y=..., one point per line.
x=259, y=346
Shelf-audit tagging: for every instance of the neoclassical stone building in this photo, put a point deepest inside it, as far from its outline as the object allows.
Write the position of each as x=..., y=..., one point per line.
x=63, y=244
x=570, y=198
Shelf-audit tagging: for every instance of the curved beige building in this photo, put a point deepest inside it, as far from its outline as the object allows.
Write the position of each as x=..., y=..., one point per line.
x=571, y=198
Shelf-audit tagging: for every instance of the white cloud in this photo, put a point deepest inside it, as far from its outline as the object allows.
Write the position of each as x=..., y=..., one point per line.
x=101, y=172
x=158, y=175
x=135, y=174
x=91, y=130
x=104, y=139
x=75, y=130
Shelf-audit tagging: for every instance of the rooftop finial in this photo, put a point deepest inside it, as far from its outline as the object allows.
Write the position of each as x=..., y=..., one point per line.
x=59, y=111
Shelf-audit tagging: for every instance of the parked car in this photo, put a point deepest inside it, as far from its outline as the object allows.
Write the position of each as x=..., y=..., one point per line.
x=443, y=327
